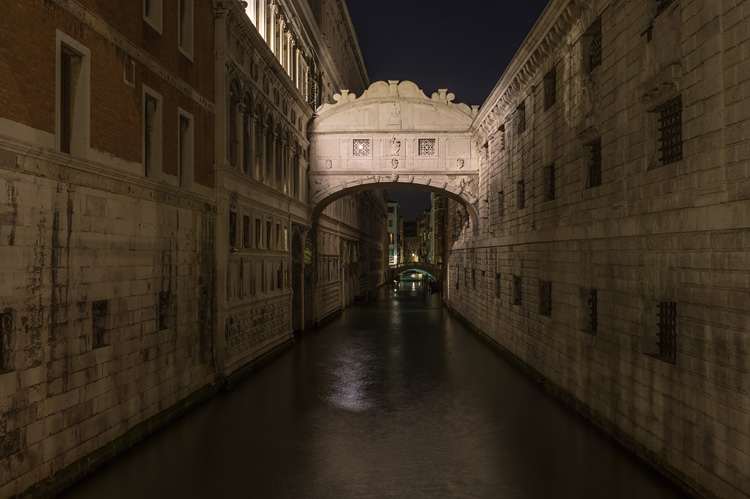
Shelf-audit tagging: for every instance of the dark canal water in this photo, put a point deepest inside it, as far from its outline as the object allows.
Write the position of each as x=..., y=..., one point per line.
x=392, y=400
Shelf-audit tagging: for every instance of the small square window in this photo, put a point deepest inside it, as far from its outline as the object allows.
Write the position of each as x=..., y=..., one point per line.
x=426, y=147
x=361, y=147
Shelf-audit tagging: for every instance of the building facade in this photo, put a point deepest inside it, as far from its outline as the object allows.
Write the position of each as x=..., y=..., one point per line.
x=610, y=254
x=157, y=239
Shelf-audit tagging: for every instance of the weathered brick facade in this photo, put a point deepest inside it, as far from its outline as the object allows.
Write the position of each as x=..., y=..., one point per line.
x=651, y=233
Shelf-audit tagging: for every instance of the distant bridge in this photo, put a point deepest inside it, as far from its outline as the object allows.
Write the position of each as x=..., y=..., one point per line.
x=433, y=270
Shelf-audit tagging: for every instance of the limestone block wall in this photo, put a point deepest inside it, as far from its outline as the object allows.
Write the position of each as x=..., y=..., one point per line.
x=569, y=280
x=106, y=309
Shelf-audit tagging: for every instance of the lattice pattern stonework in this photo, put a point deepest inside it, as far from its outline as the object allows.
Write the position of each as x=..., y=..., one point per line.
x=361, y=147
x=426, y=147
x=670, y=131
x=595, y=50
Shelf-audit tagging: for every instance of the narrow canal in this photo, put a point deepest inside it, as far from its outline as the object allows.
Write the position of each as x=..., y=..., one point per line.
x=392, y=400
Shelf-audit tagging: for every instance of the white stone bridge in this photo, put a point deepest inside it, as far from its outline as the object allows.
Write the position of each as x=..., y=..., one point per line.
x=394, y=136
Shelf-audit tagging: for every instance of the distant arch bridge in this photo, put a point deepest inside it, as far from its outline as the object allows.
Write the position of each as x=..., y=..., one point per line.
x=436, y=272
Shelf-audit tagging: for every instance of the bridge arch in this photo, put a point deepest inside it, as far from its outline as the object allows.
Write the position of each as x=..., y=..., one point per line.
x=433, y=270
x=394, y=136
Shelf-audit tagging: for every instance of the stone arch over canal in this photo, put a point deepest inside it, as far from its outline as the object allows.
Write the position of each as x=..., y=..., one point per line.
x=394, y=135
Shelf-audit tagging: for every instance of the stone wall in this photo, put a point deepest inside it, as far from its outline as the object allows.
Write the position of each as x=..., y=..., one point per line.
x=569, y=281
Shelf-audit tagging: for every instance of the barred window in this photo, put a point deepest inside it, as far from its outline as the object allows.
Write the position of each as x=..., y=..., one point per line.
x=594, y=150
x=545, y=298
x=521, y=117
x=549, y=182
x=361, y=147
x=516, y=290
x=594, y=38
x=667, y=330
x=521, y=193
x=426, y=147
x=550, y=88
x=670, y=131
x=593, y=306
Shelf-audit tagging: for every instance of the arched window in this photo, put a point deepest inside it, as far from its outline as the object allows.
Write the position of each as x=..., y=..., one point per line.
x=234, y=101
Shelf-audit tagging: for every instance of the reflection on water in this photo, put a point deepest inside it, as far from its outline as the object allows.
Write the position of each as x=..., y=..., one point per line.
x=394, y=399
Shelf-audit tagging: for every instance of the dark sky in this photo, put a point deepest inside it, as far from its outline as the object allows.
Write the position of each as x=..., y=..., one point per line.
x=463, y=46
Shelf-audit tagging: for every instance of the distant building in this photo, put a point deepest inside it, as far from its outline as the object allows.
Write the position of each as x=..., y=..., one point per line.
x=394, y=241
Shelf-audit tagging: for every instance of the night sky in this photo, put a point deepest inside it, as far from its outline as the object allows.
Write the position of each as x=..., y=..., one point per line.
x=462, y=46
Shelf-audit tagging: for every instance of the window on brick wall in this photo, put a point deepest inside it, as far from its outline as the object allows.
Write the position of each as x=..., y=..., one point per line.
x=185, y=149
x=473, y=279
x=592, y=47
x=152, y=13
x=152, y=133
x=545, y=298
x=521, y=117
x=245, y=231
x=258, y=233
x=72, y=95
x=517, y=290
x=6, y=333
x=498, y=286
x=165, y=310
x=280, y=275
x=548, y=174
x=185, y=27
x=667, y=343
x=550, y=88
x=99, y=323
x=269, y=235
x=592, y=307
x=500, y=203
x=521, y=194
x=594, y=159
x=670, y=131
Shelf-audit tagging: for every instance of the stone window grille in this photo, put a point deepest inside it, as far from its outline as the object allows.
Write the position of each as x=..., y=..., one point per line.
x=98, y=323
x=164, y=309
x=498, y=286
x=521, y=193
x=500, y=204
x=667, y=330
x=545, y=298
x=521, y=117
x=595, y=47
x=592, y=302
x=549, y=182
x=670, y=131
x=6, y=327
x=232, y=229
x=517, y=290
x=661, y=5
x=550, y=88
x=595, y=162
x=426, y=147
x=361, y=147
x=245, y=231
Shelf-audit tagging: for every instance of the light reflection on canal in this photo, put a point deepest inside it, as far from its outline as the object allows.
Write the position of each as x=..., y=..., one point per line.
x=394, y=399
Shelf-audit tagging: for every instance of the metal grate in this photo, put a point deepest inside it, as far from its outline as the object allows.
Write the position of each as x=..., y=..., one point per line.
x=661, y=5
x=668, y=330
x=593, y=304
x=550, y=88
x=426, y=147
x=361, y=147
x=670, y=138
x=595, y=50
x=595, y=163
x=521, y=192
x=516, y=290
x=549, y=182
